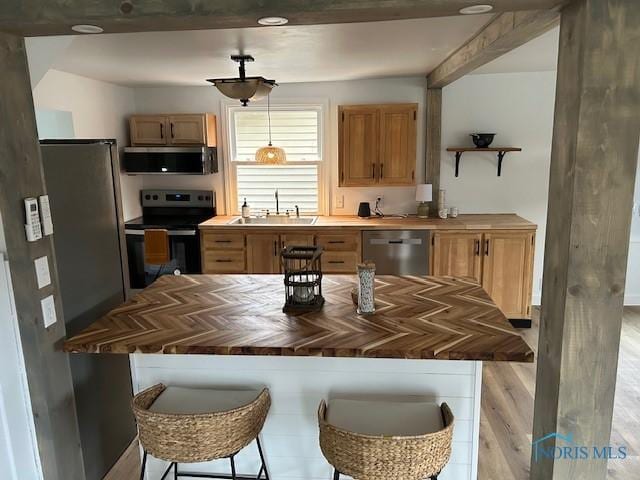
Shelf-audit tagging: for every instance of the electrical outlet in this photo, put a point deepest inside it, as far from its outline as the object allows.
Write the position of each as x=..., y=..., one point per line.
x=339, y=200
x=48, y=306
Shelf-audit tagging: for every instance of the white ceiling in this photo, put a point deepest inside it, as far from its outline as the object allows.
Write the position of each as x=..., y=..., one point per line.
x=539, y=55
x=286, y=54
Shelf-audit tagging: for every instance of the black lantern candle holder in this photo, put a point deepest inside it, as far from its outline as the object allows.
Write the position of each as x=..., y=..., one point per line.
x=302, y=278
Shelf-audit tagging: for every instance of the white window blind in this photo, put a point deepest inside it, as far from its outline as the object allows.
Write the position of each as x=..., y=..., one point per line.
x=296, y=130
x=296, y=185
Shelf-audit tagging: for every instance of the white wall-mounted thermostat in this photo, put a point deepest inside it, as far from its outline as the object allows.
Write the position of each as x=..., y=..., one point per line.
x=45, y=213
x=32, y=226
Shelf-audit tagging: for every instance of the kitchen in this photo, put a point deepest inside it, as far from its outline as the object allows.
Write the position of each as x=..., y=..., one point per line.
x=493, y=230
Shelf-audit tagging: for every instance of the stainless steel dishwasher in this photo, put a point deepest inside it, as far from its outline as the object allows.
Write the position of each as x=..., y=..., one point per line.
x=397, y=252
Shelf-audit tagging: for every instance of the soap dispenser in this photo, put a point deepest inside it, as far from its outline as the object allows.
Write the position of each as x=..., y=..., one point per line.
x=246, y=212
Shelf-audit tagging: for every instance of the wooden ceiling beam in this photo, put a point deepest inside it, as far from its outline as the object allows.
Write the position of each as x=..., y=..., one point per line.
x=55, y=17
x=504, y=33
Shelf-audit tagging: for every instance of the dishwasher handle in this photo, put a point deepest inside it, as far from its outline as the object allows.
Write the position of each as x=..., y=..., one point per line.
x=399, y=241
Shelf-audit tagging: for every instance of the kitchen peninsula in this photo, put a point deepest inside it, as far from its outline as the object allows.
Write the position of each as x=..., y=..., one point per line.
x=427, y=339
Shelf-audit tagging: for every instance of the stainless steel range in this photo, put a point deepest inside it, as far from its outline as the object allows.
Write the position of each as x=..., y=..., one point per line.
x=179, y=212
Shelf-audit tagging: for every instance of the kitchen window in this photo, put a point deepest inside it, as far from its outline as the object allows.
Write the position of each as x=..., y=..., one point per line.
x=295, y=128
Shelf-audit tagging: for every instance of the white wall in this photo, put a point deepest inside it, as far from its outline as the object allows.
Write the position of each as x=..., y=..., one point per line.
x=18, y=449
x=519, y=108
x=99, y=110
x=207, y=99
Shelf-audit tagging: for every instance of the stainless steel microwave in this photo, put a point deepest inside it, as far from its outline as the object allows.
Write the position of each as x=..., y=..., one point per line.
x=170, y=160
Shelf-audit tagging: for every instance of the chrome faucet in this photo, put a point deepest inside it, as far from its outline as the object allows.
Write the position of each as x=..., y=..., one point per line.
x=277, y=203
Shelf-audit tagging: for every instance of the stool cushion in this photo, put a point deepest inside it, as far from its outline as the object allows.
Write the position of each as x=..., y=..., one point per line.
x=398, y=419
x=183, y=400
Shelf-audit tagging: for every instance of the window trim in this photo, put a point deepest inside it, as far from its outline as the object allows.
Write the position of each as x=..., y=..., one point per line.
x=324, y=171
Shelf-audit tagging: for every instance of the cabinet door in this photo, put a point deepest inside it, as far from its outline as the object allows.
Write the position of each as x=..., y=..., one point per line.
x=187, y=130
x=148, y=130
x=457, y=254
x=507, y=271
x=263, y=253
x=359, y=146
x=398, y=144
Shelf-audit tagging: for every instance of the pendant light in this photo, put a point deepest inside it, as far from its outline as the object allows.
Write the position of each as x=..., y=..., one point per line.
x=270, y=155
x=243, y=88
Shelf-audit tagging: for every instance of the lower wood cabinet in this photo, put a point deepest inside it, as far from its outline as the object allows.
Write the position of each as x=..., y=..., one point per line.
x=502, y=261
x=507, y=273
x=457, y=254
x=240, y=252
x=263, y=253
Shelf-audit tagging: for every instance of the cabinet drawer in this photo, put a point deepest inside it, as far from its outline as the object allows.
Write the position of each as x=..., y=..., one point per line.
x=223, y=241
x=223, y=262
x=349, y=242
x=339, y=262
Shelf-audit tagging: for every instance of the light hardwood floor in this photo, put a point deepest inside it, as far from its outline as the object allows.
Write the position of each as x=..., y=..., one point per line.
x=508, y=391
x=507, y=414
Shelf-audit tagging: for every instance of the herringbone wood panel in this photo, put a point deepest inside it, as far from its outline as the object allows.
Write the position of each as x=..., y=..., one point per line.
x=416, y=317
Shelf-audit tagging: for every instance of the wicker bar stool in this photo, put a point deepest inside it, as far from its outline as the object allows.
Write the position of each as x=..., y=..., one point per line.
x=188, y=425
x=370, y=440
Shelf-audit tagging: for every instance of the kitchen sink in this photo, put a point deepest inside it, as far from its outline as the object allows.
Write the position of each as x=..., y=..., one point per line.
x=274, y=220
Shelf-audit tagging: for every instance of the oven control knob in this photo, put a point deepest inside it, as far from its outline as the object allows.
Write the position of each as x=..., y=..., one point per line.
x=155, y=197
x=207, y=198
x=147, y=197
x=200, y=197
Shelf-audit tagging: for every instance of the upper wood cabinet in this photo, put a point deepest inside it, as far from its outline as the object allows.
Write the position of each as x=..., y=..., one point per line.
x=457, y=254
x=178, y=129
x=502, y=261
x=377, y=144
x=148, y=130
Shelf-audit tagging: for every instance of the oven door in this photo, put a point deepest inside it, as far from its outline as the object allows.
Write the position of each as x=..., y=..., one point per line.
x=184, y=246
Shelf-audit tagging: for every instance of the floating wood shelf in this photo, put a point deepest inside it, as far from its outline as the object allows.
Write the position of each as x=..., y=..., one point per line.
x=501, y=151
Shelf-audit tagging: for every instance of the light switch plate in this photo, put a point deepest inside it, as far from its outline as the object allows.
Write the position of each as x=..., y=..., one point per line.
x=42, y=271
x=48, y=305
x=339, y=200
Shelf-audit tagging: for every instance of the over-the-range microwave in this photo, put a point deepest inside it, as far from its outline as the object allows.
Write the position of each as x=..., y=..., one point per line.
x=170, y=160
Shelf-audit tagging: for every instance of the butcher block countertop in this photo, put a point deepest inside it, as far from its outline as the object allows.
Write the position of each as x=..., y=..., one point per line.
x=498, y=221
x=416, y=318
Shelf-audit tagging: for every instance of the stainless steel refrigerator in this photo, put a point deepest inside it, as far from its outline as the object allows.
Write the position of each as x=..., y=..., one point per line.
x=82, y=179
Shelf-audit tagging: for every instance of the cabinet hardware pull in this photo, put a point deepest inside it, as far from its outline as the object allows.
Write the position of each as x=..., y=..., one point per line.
x=223, y=241
x=275, y=248
x=477, y=243
x=486, y=248
x=381, y=169
x=224, y=260
x=413, y=175
x=162, y=131
x=335, y=241
x=373, y=171
x=336, y=261
x=171, y=125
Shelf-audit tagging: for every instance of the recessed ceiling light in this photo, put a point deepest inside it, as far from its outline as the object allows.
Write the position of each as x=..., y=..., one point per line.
x=476, y=9
x=273, y=21
x=87, y=29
